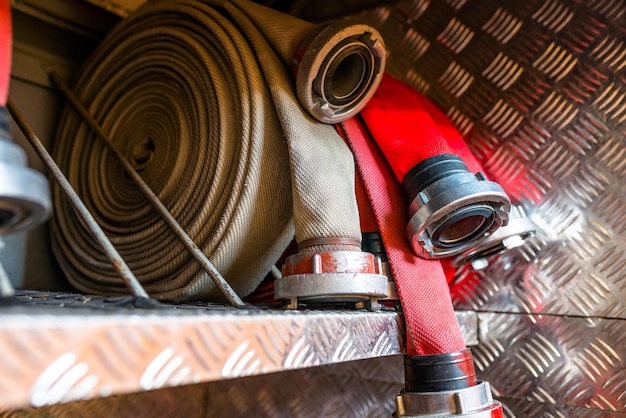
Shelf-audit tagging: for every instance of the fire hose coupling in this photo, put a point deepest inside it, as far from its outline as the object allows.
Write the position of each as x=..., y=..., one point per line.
x=445, y=385
x=338, y=68
x=451, y=209
x=24, y=192
x=519, y=229
x=337, y=277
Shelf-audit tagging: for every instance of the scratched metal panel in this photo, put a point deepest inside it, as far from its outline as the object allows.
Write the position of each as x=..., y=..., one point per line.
x=315, y=392
x=364, y=388
x=59, y=353
x=538, y=88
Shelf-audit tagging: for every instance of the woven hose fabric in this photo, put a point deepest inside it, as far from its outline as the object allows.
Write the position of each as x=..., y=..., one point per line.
x=431, y=326
x=201, y=103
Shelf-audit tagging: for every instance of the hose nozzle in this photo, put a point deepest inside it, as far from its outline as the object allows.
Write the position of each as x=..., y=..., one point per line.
x=338, y=68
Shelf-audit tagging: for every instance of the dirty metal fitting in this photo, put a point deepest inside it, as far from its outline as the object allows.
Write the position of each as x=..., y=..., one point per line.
x=445, y=385
x=335, y=277
x=451, y=209
x=24, y=193
x=338, y=68
x=372, y=242
x=519, y=229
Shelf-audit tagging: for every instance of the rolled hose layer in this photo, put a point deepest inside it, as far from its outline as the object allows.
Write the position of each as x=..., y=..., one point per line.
x=202, y=105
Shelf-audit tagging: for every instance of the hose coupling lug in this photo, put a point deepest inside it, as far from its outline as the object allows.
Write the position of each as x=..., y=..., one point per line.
x=518, y=230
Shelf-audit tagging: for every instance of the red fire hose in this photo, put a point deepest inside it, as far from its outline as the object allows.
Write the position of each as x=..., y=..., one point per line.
x=5, y=50
x=395, y=134
x=431, y=324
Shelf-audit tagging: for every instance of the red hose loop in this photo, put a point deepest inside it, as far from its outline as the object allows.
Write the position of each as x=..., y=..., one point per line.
x=401, y=127
x=453, y=137
x=6, y=39
x=431, y=325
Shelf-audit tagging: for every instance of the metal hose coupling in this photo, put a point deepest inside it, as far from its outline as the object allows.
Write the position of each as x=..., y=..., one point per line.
x=519, y=229
x=332, y=277
x=445, y=385
x=451, y=209
x=24, y=192
x=338, y=68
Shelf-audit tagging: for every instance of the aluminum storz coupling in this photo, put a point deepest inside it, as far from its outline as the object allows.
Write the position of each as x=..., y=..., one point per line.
x=445, y=385
x=334, y=277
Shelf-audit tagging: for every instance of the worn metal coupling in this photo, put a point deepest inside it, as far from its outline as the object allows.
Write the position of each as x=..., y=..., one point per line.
x=445, y=385
x=372, y=242
x=338, y=68
x=519, y=229
x=24, y=192
x=336, y=277
x=451, y=209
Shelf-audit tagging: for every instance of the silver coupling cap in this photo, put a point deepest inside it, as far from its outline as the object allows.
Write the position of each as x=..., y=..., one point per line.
x=451, y=209
x=24, y=193
x=338, y=68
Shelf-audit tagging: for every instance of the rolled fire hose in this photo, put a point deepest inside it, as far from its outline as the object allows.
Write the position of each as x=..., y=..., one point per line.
x=198, y=96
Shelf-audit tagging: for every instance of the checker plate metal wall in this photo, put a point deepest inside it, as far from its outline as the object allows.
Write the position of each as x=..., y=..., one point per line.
x=538, y=88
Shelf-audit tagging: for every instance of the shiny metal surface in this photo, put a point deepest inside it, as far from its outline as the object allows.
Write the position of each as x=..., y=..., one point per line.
x=515, y=234
x=363, y=388
x=332, y=276
x=538, y=90
x=67, y=347
x=24, y=193
x=339, y=69
x=441, y=201
x=471, y=402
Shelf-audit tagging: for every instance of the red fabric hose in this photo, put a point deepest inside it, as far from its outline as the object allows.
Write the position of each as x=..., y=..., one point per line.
x=401, y=126
x=5, y=50
x=431, y=325
x=455, y=141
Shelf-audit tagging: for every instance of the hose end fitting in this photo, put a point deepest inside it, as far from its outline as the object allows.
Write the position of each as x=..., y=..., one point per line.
x=519, y=229
x=335, y=277
x=451, y=209
x=445, y=385
x=338, y=68
x=24, y=193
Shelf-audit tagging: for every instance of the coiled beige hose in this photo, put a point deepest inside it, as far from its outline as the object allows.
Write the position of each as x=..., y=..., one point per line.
x=201, y=102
